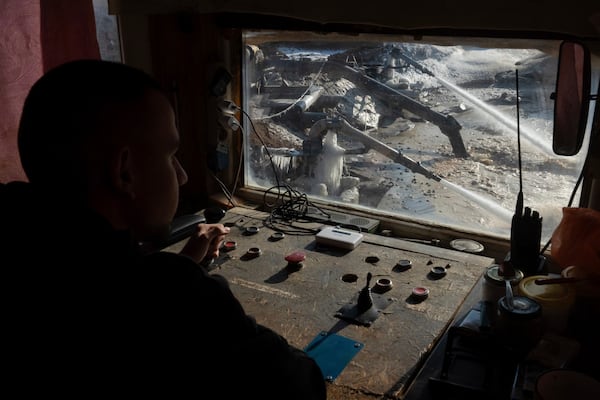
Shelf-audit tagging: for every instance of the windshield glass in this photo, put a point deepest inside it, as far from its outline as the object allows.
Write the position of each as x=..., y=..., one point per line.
x=423, y=130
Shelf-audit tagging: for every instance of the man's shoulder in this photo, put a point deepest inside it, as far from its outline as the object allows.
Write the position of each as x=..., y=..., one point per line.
x=178, y=273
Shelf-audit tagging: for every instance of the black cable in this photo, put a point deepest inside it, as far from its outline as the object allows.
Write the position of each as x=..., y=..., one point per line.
x=282, y=217
x=264, y=145
x=239, y=169
x=290, y=205
x=224, y=189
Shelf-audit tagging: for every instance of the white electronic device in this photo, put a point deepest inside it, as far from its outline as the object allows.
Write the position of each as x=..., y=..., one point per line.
x=338, y=237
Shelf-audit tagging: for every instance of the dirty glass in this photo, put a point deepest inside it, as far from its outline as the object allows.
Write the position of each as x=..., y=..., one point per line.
x=422, y=130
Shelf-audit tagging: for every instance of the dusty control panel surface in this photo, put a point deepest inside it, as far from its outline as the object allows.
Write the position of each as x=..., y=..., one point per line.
x=300, y=288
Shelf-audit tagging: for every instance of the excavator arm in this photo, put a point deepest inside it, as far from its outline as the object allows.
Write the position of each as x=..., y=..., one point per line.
x=313, y=145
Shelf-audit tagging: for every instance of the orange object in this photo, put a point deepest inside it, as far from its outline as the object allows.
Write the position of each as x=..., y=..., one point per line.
x=576, y=240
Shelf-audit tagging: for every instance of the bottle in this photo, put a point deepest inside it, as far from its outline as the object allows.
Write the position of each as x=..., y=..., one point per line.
x=494, y=282
x=519, y=323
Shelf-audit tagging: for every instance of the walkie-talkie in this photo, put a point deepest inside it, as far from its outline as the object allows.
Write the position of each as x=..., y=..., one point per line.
x=526, y=226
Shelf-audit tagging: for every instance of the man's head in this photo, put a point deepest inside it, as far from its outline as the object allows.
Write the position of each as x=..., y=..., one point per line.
x=104, y=134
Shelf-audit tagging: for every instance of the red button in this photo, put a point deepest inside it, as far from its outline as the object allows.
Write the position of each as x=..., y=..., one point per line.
x=295, y=257
x=229, y=245
x=420, y=292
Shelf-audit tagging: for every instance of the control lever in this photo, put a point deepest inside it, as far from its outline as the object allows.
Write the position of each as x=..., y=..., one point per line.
x=365, y=298
x=365, y=307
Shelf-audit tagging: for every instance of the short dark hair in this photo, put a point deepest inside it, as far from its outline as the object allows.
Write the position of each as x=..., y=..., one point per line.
x=61, y=111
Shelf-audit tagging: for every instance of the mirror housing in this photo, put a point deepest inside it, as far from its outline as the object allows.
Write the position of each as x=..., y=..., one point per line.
x=571, y=98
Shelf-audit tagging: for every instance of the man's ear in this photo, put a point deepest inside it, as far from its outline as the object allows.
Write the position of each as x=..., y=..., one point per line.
x=122, y=172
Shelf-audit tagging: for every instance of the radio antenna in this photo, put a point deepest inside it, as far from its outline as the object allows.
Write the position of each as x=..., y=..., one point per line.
x=519, y=207
x=526, y=228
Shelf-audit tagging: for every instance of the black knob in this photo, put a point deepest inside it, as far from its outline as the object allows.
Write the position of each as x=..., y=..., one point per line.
x=213, y=214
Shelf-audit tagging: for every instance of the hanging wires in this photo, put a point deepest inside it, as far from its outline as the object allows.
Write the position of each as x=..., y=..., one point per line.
x=571, y=199
x=264, y=146
x=224, y=189
x=239, y=169
x=289, y=205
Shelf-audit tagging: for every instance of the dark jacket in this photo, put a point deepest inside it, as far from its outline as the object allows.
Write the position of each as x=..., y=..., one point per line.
x=86, y=314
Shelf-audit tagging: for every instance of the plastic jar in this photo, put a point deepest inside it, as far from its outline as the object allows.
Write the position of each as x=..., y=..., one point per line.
x=519, y=325
x=494, y=284
x=556, y=301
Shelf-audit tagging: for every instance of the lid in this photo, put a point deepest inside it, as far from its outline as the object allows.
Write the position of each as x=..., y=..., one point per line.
x=493, y=276
x=544, y=293
x=467, y=245
x=522, y=307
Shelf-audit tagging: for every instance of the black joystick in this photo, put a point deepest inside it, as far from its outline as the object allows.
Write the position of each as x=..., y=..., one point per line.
x=366, y=308
x=365, y=299
x=213, y=215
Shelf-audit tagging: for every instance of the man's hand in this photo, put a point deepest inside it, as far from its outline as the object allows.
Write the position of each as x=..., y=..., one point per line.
x=205, y=242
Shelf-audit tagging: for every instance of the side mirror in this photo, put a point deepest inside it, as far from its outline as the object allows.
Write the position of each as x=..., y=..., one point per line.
x=571, y=99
